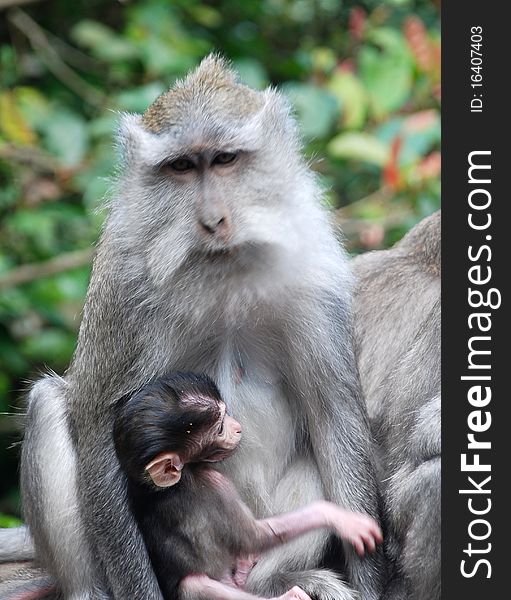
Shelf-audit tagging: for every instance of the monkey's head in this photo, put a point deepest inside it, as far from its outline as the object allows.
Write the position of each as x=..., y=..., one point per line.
x=212, y=170
x=175, y=420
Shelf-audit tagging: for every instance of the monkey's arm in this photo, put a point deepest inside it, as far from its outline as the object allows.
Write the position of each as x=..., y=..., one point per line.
x=323, y=379
x=117, y=539
x=103, y=369
x=356, y=528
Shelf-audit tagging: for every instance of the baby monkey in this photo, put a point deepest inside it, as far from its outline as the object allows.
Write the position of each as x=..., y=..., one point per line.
x=201, y=538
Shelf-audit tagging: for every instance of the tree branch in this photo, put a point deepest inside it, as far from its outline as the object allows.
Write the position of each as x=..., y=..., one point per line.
x=59, y=264
x=30, y=156
x=10, y=3
x=51, y=58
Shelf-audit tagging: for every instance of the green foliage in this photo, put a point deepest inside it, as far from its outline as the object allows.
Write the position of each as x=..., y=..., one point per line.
x=363, y=78
x=359, y=146
x=9, y=521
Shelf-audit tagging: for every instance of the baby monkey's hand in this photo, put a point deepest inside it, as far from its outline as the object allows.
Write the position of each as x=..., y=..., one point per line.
x=361, y=530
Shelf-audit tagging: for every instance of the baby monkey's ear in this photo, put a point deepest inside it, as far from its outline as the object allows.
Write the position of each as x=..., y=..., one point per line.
x=165, y=469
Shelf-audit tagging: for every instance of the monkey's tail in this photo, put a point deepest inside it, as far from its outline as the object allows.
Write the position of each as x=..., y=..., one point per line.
x=319, y=584
x=16, y=545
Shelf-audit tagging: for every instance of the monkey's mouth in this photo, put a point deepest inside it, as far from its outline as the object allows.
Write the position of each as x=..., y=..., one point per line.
x=243, y=252
x=221, y=252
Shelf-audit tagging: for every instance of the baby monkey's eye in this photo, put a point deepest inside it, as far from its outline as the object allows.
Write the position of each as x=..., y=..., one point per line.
x=221, y=430
x=181, y=164
x=224, y=158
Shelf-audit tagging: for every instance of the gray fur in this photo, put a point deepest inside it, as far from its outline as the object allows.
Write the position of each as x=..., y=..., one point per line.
x=277, y=306
x=398, y=334
x=317, y=583
x=16, y=544
x=24, y=580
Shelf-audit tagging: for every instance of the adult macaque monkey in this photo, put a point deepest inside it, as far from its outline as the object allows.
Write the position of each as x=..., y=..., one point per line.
x=398, y=334
x=216, y=257
x=201, y=538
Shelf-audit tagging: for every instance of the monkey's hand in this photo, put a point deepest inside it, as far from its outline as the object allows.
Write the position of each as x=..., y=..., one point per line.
x=362, y=531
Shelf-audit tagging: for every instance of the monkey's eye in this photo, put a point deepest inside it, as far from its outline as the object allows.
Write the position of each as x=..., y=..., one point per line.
x=224, y=158
x=221, y=428
x=181, y=165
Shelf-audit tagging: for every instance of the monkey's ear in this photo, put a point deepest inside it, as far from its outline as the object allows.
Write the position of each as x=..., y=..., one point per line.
x=274, y=116
x=165, y=469
x=132, y=139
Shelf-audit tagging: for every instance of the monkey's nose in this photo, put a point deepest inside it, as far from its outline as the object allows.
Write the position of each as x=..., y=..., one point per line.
x=212, y=225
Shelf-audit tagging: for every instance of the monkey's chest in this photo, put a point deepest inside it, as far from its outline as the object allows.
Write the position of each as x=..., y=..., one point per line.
x=254, y=393
x=245, y=364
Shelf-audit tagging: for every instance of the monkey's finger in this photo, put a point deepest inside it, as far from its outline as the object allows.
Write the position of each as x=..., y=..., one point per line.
x=377, y=534
x=358, y=544
x=374, y=530
x=369, y=541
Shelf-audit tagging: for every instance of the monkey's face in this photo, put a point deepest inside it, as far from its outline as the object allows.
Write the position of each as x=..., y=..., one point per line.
x=210, y=188
x=212, y=442
x=207, y=178
x=222, y=439
x=213, y=174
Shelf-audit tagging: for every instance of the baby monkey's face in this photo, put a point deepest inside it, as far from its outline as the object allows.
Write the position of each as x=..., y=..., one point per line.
x=222, y=438
x=215, y=439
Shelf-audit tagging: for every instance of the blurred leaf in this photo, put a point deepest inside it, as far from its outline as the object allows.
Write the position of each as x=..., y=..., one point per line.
x=8, y=71
x=34, y=105
x=5, y=263
x=387, y=131
x=323, y=59
x=351, y=94
x=96, y=190
x=138, y=99
x=386, y=73
x=9, y=521
x=38, y=226
x=359, y=146
x=251, y=73
x=53, y=291
x=4, y=386
x=165, y=46
x=160, y=58
x=419, y=132
x=390, y=40
x=49, y=345
x=422, y=131
x=73, y=285
x=206, y=16
x=157, y=19
x=13, y=125
x=104, y=126
x=9, y=194
x=104, y=43
x=66, y=136
x=13, y=360
x=12, y=302
x=317, y=110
